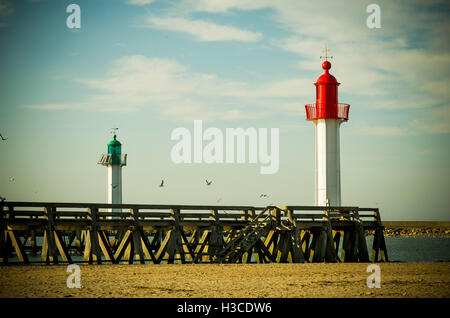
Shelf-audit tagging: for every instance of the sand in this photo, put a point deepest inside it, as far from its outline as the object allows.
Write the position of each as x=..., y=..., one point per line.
x=231, y=281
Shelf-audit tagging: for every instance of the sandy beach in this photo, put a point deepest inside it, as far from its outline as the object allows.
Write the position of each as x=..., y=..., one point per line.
x=230, y=281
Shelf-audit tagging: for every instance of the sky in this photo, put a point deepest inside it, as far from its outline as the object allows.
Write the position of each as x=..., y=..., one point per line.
x=150, y=66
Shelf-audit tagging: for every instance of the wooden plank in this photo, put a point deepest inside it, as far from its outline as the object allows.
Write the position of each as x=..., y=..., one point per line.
x=354, y=245
x=346, y=255
x=169, y=255
x=267, y=255
x=363, y=254
x=296, y=249
x=93, y=232
x=18, y=247
x=383, y=249
x=320, y=247
x=127, y=257
x=175, y=244
x=62, y=248
x=71, y=238
x=33, y=243
x=201, y=246
x=187, y=247
x=259, y=258
x=305, y=237
x=146, y=248
x=124, y=242
x=162, y=249
x=44, y=250
x=330, y=250
x=337, y=241
x=312, y=246
x=315, y=245
x=180, y=249
x=3, y=256
x=138, y=251
x=50, y=228
x=269, y=241
x=105, y=247
x=87, y=247
x=284, y=246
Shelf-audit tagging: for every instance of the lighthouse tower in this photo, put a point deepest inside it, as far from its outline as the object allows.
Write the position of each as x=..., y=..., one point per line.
x=327, y=115
x=114, y=160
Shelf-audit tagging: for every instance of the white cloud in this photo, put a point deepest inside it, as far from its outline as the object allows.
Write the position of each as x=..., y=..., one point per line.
x=434, y=121
x=173, y=91
x=139, y=2
x=219, y=6
x=204, y=31
x=381, y=65
x=380, y=130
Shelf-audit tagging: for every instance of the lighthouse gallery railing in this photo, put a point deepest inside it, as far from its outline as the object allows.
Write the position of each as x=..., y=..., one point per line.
x=319, y=111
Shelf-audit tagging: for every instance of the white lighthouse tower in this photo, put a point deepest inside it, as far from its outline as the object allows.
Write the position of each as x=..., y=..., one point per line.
x=114, y=160
x=327, y=115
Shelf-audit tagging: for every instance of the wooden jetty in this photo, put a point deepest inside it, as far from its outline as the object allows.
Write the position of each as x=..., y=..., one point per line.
x=184, y=234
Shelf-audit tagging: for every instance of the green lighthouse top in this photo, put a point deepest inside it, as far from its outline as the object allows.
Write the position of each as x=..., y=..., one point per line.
x=114, y=155
x=114, y=142
x=114, y=147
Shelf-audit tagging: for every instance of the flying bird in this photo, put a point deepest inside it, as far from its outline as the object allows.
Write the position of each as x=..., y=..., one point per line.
x=3, y=138
x=208, y=182
x=263, y=196
x=162, y=184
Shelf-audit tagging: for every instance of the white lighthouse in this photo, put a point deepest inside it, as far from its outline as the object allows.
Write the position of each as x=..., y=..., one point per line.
x=114, y=160
x=327, y=115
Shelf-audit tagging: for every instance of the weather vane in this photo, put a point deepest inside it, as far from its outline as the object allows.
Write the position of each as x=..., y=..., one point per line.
x=326, y=57
x=114, y=131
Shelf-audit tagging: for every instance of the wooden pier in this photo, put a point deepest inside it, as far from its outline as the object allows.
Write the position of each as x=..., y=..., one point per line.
x=143, y=234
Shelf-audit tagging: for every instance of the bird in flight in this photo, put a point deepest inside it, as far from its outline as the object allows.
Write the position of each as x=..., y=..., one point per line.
x=3, y=138
x=162, y=184
x=208, y=182
x=263, y=196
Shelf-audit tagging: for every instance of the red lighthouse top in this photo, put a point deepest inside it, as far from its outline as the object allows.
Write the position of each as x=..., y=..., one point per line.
x=327, y=106
x=326, y=77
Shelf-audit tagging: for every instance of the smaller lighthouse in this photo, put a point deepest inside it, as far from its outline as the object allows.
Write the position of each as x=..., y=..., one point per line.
x=327, y=115
x=114, y=160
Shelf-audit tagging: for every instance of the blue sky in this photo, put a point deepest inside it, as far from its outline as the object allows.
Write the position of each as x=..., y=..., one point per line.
x=149, y=67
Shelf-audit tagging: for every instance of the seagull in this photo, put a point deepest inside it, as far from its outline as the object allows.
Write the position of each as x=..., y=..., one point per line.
x=3, y=138
x=162, y=184
x=208, y=182
x=263, y=196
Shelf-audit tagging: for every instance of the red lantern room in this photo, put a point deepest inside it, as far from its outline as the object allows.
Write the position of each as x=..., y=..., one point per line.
x=327, y=106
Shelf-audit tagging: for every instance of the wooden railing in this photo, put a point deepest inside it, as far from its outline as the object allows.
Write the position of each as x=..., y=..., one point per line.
x=184, y=233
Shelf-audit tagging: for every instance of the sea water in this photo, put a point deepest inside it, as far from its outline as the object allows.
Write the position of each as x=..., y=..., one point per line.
x=415, y=249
